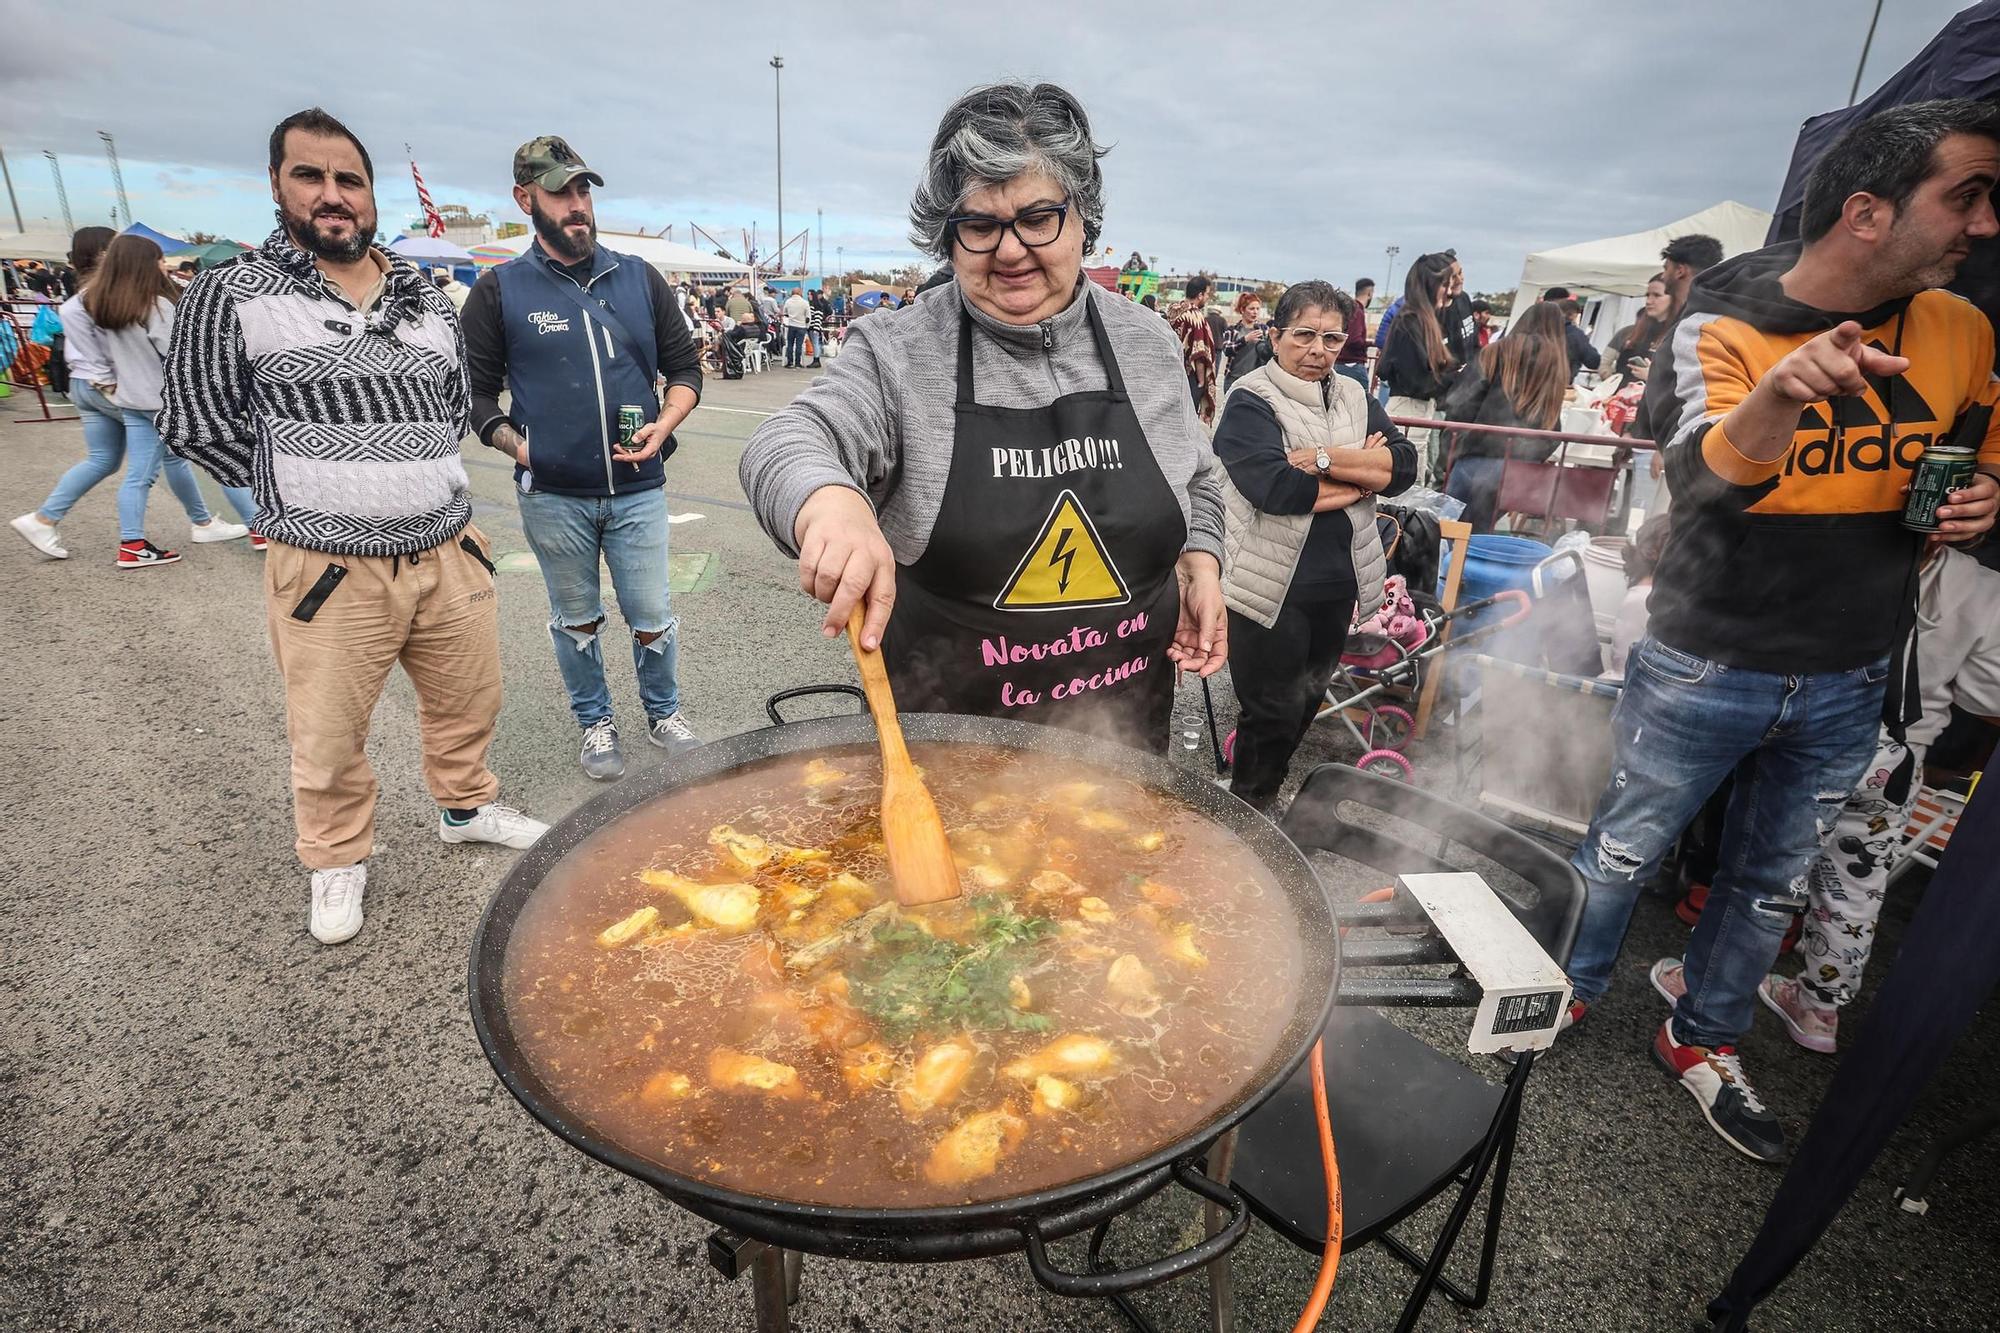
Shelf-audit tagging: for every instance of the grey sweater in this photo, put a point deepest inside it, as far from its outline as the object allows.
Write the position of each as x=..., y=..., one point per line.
x=880, y=420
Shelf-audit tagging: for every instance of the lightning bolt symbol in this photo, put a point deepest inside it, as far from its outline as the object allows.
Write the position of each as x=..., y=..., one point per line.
x=1066, y=556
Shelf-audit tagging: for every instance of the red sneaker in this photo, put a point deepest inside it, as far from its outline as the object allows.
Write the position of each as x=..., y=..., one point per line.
x=1714, y=1077
x=143, y=555
x=1688, y=909
x=257, y=540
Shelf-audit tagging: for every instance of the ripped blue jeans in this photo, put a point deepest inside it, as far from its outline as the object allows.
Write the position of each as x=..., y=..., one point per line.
x=569, y=534
x=1797, y=744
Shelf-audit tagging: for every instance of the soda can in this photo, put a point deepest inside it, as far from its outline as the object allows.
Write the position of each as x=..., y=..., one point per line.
x=1944, y=468
x=630, y=418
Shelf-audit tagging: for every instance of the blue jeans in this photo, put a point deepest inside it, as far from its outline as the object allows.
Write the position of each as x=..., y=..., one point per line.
x=104, y=450
x=1354, y=370
x=1797, y=745
x=568, y=534
x=795, y=346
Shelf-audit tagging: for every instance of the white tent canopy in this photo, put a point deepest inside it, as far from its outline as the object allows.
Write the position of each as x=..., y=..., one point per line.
x=1618, y=266
x=47, y=244
x=662, y=254
x=432, y=248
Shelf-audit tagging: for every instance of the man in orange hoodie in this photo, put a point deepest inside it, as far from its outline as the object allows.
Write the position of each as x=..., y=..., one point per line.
x=1794, y=398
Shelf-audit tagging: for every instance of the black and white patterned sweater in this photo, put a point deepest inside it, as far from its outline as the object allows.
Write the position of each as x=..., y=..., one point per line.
x=346, y=429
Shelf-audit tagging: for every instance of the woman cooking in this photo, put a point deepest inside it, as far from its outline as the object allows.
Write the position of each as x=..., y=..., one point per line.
x=1306, y=452
x=1013, y=464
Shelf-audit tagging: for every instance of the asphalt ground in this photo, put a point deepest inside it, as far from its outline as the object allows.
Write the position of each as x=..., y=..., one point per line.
x=207, y=1120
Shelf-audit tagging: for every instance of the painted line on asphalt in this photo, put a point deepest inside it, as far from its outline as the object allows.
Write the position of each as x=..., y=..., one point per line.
x=739, y=411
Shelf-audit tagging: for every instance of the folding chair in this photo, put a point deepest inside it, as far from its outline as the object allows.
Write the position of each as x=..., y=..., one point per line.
x=1554, y=492
x=1930, y=828
x=1409, y=1122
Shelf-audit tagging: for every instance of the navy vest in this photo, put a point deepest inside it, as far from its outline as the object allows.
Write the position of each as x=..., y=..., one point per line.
x=570, y=371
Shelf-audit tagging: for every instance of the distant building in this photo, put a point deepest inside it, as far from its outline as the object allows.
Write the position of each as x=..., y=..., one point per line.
x=507, y=230
x=462, y=227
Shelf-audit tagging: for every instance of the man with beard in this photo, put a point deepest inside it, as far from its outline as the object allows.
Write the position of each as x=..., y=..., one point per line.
x=582, y=336
x=329, y=377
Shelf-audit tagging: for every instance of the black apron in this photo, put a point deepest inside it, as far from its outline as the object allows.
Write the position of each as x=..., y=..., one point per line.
x=1047, y=592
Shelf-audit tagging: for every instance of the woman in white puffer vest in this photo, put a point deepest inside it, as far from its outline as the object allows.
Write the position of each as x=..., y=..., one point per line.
x=1306, y=452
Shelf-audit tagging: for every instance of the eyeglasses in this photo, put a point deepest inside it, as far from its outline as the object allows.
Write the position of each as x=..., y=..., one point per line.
x=978, y=234
x=1303, y=337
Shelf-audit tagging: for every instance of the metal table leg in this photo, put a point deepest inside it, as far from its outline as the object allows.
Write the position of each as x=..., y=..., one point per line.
x=768, y=1291
x=1221, y=1284
x=795, y=1264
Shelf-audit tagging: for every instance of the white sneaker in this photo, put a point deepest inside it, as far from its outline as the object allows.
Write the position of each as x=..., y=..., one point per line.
x=336, y=903
x=216, y=530
x=494, y=823
x=40, y=535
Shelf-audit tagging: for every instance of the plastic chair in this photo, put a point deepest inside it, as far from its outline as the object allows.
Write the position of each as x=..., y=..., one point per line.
x=1410, y=1122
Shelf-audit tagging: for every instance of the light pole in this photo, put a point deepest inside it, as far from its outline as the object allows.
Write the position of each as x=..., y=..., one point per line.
x=1388, y=288
x=778, y=93
x=62, y=195
x=11, y=200
x=117, y=177
x=1866, y=42
x=820, y=213
x=840, y=262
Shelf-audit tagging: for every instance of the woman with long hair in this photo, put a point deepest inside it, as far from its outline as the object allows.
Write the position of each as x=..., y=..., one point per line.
x=1517, y=381
x=1635, y=345
x=1417, y=362
x=1245, y=345
x=115, y=337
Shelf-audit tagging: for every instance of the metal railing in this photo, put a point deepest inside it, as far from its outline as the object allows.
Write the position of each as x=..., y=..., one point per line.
x=21, y=315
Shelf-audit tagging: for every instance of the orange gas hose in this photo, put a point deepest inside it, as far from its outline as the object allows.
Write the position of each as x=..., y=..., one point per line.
x=1329, y=1261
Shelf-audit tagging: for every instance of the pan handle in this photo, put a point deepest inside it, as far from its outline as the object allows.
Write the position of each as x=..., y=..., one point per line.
x=785, y=696
x=1115, y=1281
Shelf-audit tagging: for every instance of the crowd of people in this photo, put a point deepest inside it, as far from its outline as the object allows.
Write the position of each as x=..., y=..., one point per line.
x=1046, y=501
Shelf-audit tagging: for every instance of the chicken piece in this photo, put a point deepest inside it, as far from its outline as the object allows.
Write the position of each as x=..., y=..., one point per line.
x=734, y=1071
x=1179, y=946
x=819, y=773
x=869, y=1065
x=1133, y=990
x=745, y=849
x=986, y=875
x=666, y=1086
x=1102, y=821
x=1073, y=1055
x=1096, y=911
x=1073, y=793
x=1054, y=1095
x=995, y=804
x=1158, y=894
x=792, y=896
x=1018, y=993
x=754, y=853
x=938, y=1076
x=624, y=932
x=1083, y=951
x=1149, y=841
x=973, y=1148
x=834, y=1023
x=1054, y=885
x=729, y=908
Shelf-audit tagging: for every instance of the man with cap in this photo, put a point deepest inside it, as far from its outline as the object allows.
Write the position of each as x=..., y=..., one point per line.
x=584, y=338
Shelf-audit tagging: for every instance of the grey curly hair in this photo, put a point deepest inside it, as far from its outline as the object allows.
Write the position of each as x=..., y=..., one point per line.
x=998, y=132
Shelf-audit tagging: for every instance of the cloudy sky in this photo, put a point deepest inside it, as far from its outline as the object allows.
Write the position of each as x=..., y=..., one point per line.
x=1273, y=140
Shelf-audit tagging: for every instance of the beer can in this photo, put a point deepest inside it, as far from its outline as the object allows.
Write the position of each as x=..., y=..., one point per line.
x=630, y=418
x=1944, y=468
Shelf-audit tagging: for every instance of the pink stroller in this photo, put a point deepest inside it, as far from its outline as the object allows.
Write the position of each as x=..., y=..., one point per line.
x=1383, y=661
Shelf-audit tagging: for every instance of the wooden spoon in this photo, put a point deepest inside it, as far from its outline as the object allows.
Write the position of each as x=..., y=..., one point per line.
x=920, y=859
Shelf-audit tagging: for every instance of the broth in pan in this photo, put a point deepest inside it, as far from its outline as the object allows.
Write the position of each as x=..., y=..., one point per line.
x=721, y=981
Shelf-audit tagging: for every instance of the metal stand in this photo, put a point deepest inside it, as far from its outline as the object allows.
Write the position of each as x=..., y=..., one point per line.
x=1911, y=1194
x=1221, y=1284
x=774, y=1277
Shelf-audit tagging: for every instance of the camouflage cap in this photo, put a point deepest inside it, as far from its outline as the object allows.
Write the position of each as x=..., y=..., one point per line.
x=551, y=163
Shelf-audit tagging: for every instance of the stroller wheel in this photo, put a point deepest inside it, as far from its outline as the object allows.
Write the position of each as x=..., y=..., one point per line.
x=1389, y=727
x=1387, y=764
x=1229, y=747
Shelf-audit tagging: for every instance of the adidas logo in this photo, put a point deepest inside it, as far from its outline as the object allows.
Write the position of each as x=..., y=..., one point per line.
x=1844, y=442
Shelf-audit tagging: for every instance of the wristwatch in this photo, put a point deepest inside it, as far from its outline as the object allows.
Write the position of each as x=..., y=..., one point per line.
x=1320, y=459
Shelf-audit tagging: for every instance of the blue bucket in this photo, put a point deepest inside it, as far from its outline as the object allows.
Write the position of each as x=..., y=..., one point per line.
x=1495, y=562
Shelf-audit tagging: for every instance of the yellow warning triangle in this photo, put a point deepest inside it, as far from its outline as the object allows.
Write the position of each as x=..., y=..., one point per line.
x=1066, y=566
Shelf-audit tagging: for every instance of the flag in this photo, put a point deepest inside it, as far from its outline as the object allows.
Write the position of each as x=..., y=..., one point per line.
x=433, y=222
